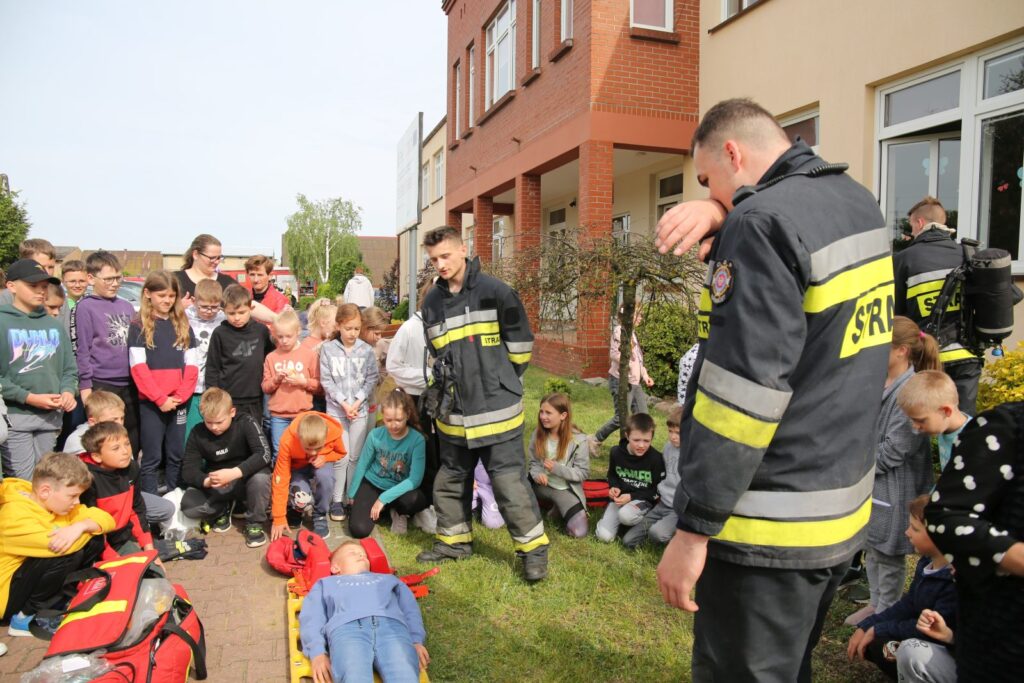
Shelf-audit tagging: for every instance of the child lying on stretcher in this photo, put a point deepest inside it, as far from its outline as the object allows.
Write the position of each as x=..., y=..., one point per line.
x=363, y=620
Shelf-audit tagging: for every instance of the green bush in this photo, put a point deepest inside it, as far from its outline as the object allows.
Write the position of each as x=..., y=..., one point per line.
x=401, y=311
x=305, y=301
x=667, y=331
x=1003, y=380
x=557, y=385
x=327, y=290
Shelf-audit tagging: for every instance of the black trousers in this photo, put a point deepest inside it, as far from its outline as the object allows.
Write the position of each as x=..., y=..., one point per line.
x=130, y=396
x=39, y=579
x=757, y=624
x=359, y=523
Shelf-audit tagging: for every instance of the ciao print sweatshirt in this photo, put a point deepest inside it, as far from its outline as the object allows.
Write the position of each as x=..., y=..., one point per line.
x=288, y=399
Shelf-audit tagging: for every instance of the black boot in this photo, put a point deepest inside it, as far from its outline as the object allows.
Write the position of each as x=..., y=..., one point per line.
x=535, y=563
x=442, y=552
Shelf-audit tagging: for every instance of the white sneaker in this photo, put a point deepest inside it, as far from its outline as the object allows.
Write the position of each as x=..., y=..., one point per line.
x=859, y=616
x=399, y=523
x=3, y=649
x=426, y=519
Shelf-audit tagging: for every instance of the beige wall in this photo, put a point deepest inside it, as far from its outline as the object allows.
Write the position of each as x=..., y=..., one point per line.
x=433, y=215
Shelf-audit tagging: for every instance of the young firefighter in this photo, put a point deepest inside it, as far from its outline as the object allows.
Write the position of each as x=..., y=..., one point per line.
x=227, y=459
x=480, y=336
x=37, y=370
x=45, y=534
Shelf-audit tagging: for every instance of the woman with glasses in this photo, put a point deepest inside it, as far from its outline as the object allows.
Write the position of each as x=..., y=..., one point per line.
x=201, y=261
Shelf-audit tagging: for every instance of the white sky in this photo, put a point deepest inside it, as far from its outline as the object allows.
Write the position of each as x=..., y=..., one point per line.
x=137, y=125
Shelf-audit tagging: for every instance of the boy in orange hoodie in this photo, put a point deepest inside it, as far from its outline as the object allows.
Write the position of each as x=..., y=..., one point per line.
x=311, y=441
x=45, y=534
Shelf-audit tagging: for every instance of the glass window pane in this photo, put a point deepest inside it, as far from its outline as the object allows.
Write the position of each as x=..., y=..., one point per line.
x=906, y=182
x=923, y=99
x=670, y=185
x=557, y=217
x=949, y=179
x=1004, y=74
x=807, y=130
x=649, y=12
x=1002, y=172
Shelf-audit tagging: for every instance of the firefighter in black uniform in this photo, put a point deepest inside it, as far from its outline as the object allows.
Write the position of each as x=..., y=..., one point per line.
x=777, y=462
x=920, y=269
x=479, y=333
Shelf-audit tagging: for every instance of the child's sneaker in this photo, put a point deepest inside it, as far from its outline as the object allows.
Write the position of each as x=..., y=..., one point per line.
x=337, y=512
x=238, y=510
x=222, y=523
x=399, y=523
x=3, y=649
x=426, y=519
x=320, y=526
x=254, y=536
x=19, y=626
x=860, y=615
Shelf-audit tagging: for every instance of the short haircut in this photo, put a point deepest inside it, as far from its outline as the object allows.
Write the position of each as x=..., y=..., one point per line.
x=928, y=389
x=675, y=418
x=209, y=290
x=740, y=118
x=374, y=317
x=916, y=507
x=97, y=259
x=288, y=320
x=930, y=209
x=72, y=266
x=29, y=248
x=312, y=431
x=62, y=469
x=640, y=422
x=344, y=544
x=259, y=262
x=236, y=295
x=438, y=235
x=100, y=402
x=97, y=435
x=215, y=402
x=53, y=289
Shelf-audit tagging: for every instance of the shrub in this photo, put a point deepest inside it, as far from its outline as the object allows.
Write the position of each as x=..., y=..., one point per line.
x=401, y=311
x=1003, y=380
x=327, y=290
x=305, y=301
x=557, y=384
x=667, y=331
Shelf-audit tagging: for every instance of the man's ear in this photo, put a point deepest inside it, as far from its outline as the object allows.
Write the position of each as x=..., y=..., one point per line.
x=732, y=154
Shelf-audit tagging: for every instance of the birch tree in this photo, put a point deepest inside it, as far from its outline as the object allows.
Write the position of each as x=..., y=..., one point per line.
x=321, y=233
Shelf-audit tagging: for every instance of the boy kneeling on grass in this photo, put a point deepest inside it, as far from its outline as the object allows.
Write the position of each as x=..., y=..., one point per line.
x=227, y=461
x=45, y=534
x=356, y=620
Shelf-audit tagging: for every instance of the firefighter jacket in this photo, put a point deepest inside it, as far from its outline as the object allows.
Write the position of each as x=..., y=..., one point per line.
x=483, y=334
x=777, y=456
x=920, y=269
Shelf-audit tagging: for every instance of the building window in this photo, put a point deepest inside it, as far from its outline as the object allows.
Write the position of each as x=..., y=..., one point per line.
x=438, y=175
x=501, y=53
x=535, y=36
x=923, y=99
x=804, y=126
x=670, y=192
x=916, y=167
x=558, y=306
x=458, y=100
x=471, y=114
x=425, y=185
x=566, y=25
x=653, y=14
x=1002, y=173
x=498, y=239
x=734, y=7
x=470, y=240
x=1004, y=74
x=620, y=229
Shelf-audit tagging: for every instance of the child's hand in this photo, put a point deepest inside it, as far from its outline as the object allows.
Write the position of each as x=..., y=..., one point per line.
x=859, y=642
x=277, y=531
x=43, y=401
x=375, y=511
x=220, y=478
x=67, y=401
x=157, y=562
x=422, y=653
x=321, y=666
x=318, y=461
x=298, y=380
x=622, y=499
x=614, y=493
x=541, y=479
x=649, y=382
x=549, y=465
x=934, y=626
x=207, y=483
x=168, y=405
x=62, y=539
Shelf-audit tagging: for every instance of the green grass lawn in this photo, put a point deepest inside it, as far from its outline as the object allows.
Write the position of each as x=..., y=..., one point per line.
x=598, y=617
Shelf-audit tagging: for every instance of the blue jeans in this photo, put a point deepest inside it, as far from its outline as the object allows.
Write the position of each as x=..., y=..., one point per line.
x=356, y=647
x=277, y=427
x=301, y=488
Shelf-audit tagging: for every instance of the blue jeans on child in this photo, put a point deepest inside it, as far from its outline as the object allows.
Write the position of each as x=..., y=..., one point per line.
x=302, y=483
x=277, y=427
x=356, y=647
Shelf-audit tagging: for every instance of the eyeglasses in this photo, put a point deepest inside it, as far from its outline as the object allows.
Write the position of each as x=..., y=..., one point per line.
x=112, y=280
x=209, y=309
x=211, y=259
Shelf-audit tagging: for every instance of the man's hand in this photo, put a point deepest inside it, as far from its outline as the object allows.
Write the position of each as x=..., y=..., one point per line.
x=67, y=401
x=686, y=224
x=321, y=665
x=43, y=401
x=422, y=653
x=277, y=531
x=680, y=567
x=376, y=510
x=62, y=539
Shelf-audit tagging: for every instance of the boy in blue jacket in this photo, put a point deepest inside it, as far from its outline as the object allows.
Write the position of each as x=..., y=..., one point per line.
x=932, y=588
x=364, y=620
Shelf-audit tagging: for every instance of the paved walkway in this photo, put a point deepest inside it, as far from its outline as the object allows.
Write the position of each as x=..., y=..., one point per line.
x=240, y=600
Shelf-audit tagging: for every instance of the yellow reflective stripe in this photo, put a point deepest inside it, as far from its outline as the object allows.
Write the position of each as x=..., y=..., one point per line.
x=535, y=543
x=466, y=331
x=105, y=607
x=481, y=431
x=703, y=325
x=457, y=538
x=815, y=534
x=848, y=285
x=520, y=358
x=124, y=561
x=732, y=424
x=956, y=354
x=705, y=299
x=924, y=288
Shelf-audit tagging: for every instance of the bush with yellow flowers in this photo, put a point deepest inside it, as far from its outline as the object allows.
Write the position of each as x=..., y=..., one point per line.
x=1003, y=380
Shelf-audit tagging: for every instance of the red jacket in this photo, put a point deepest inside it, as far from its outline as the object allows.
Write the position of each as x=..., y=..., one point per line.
x=115, y=492
x=273, y=299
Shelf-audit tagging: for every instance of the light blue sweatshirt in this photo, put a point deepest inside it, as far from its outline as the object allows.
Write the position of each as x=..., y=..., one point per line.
x=348, y=375
x=395, y=467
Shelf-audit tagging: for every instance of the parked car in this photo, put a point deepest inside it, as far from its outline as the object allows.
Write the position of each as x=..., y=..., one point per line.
x=130, y=291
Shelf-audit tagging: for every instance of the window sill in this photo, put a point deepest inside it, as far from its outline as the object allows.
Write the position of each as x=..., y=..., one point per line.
x=466, y=133
x=501, y=102
x=560, y=50
x=529, y=78
x=658, y=35
x=742, y=13
x=453, y=145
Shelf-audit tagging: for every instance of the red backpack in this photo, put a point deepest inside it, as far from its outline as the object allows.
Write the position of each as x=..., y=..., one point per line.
x=100, y=613
x=596, y=492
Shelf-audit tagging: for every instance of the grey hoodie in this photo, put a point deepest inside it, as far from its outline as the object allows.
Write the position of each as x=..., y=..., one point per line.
x=348, y=375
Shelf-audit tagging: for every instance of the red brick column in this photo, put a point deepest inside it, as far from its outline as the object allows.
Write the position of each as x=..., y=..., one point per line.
x=455, y=219
x=483, y=230
x=528, y=234
x=595, y=221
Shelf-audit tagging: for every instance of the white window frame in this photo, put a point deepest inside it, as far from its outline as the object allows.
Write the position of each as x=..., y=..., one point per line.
x=552, y=230
x=743, y=4
x=669, y=17
x=672, y=199
x=535, y=35
x=458, y=100
x=425, y=185
x=498, y=238
x=439, y=175
x=806, y=116
x=622, y=237
x=972, y=113
x=933, y=163
x=492, y=46
x=565, y=30
x=472, y=88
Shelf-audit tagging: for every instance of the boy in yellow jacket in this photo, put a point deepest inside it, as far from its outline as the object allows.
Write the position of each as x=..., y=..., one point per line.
x=45, y=534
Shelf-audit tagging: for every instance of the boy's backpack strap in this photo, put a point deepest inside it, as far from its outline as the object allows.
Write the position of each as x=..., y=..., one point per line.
x=198, y=647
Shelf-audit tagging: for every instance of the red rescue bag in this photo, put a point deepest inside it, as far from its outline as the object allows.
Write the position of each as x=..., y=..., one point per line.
x=596, y=492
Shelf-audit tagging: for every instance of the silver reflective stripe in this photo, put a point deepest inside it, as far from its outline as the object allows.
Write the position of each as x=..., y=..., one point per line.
x=435, y=331
x=457, y=321
x=996, y=330
x=531, y=535
x=750, y=396
x=848, y=251
x=487, y=418
x=457, y=530
x=707, y=275
x=805, y=504
x=519, y=347
x=928, y=277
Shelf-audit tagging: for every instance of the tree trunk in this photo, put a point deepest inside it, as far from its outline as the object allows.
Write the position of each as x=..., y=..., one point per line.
x=626, y=317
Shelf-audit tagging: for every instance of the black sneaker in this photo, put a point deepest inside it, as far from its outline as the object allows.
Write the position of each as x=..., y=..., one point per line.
x=535, y=564
x=222, y=523
x=238, y=510
x=337, y=511
x=321, y=527
x=294, y=518
x=442, y=552
x=254, y=536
